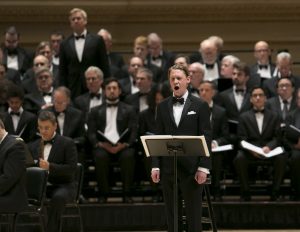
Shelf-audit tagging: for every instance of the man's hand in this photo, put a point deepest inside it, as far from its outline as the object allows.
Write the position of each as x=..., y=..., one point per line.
x=44, y=164
x=155, y=175
x=266, y=149
x=200, y=177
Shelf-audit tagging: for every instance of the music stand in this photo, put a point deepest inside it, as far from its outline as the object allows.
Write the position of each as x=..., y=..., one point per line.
x=168, y=145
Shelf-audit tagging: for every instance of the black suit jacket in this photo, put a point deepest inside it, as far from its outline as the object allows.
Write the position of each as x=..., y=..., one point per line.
x=194, y=121
x=248, y=129
x=274, y=105
x=254, y=70
x=73, y=124
x=33, y=102
x=24, y=59
x=27, y=126
x=62, y=159
x=71, y=70
x=126, y=118
x=13, y=196
x=220, y=130
x=226, y=100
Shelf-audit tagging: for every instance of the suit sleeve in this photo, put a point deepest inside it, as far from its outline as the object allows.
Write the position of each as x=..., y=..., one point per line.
x=13, y=168
x=103, y=58
x=63, y=66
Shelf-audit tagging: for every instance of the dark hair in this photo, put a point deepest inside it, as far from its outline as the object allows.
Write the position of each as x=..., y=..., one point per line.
x=242, y=67
x=257, y=87
x=46, y=115
x=287, y=78
x=15, y=91
x=187, y=58
x=64, y=90
x=148, y=72
x=59, y=33
x=12, y=31
x=211, y=83
x=151, y=97
x=109, y=80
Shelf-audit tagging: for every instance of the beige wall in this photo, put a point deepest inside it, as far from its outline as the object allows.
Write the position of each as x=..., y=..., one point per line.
x=181, y=24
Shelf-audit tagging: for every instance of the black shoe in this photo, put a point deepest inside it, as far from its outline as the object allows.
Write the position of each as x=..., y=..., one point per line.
x=127, y=200
x=102, y=200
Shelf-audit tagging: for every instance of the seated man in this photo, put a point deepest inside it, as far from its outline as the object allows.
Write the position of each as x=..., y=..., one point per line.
x=259, y=126
x=13, y=197
x=58, y=155
x=108, y=122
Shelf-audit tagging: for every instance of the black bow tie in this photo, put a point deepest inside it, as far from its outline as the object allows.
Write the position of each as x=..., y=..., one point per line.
x=112, y=104
x=12, y=52
x=156, y=58
x=142, y=94
x=179, y=100
x=209, y=66
x=96, y=95
x=46, y=94
x=263, y=66
x=240, y=91
x=259, y=111
x=82, y=36
x=15, y=113
x=58, y=113
x=51, y=141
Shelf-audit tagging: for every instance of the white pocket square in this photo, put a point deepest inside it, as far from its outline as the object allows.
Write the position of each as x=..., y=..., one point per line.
x=191, y=112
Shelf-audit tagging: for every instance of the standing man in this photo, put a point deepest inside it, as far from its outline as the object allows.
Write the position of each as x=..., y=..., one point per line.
x=78, y=52
x=56, y=38
x=13, y=196
x=58, y=155
x=174, y=117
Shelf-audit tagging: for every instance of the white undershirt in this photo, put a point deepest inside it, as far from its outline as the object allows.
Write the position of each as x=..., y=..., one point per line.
x=79, y=46
x=111, y=131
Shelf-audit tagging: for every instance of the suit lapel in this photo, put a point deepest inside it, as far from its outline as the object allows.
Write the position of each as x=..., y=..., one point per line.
x=73, y=48
x=54, y=148
x=253, y=118
x=170, y=110
x=185, y=109
x=232, y=99
x=10, y=124
x=22, y=123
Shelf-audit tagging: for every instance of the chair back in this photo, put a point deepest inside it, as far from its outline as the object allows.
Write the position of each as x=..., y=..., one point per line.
x=79, y=180
x=36, y=182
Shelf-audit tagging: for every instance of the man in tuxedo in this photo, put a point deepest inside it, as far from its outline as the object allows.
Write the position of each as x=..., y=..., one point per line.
x=56, y=38
x=58, y=155
x=285, y=101
x=115, y=60
x=41, y=99
x=29, y=82
x=14, y=56
x=13, y=196
x=139, y=100
x=284, y=69
x=107, y=126
x=236, y=100
x=158, y=56
x=263, y=67
x=128, y=83
x=183, y=114
x=78, y=52
x=220, y=133
x=18, y=121
x=196, y=72
x=294, y=142
x=260, y=127
x=94, y=79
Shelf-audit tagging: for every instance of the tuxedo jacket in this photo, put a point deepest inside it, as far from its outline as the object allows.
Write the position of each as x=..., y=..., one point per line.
x=13, y=194
x=219, y=124
x=71, y=70
x=126, y=118
x=82, y=103
x=24, y=59
x=274, y=105
x=27, y=126
x=147, y=123
x=33, y=102
x=13, y=75
x=62, y=159
x=73, y=124
x=293, y=118
x=248, y=129
x=194, y=121
x=167, y=61
x=226, y=100
x=116, y=63
x=255, y=67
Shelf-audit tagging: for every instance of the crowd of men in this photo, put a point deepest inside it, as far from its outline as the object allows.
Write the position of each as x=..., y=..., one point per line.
x=104, y=104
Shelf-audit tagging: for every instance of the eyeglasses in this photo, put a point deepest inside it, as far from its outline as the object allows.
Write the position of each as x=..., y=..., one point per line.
x=281, y=86
x=43, y=77
x=258, y=95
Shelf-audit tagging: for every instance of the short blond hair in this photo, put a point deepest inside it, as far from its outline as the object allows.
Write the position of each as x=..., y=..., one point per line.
x=81, y=11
